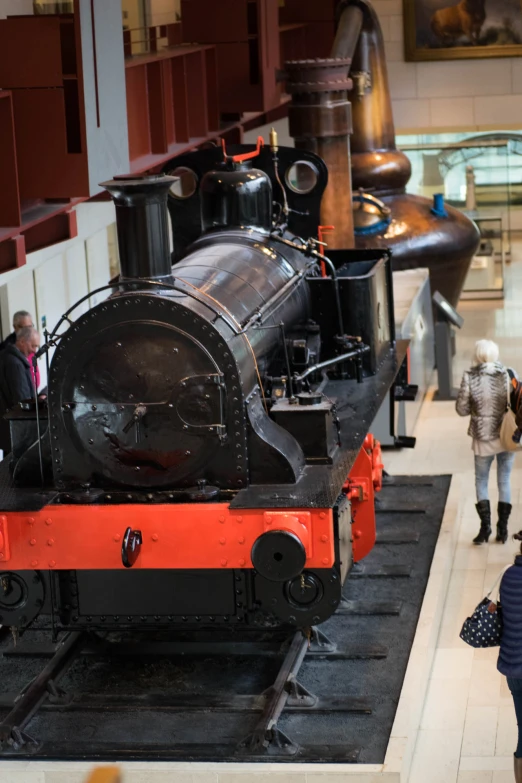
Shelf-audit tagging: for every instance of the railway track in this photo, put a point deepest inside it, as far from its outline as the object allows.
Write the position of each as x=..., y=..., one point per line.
x=304, y=697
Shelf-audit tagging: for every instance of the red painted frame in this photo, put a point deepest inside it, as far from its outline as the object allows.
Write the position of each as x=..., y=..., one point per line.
x=187, y=535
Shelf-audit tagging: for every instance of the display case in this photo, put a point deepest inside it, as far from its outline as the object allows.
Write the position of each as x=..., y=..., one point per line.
x=485, y=278
x=478, y=174
x=395, y=423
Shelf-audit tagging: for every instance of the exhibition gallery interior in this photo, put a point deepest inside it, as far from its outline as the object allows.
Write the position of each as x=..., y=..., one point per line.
x=260, y=391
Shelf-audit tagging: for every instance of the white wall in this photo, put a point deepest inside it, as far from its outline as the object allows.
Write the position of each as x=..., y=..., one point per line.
x=108, y=143
x=456, y=94
x=98, y=264
x=163, y=11
x=15, y=8
x=18, y=295
x=56, y=277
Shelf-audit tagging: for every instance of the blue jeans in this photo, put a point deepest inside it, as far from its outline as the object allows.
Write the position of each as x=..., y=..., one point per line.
x=515, y=686
x=504, y=466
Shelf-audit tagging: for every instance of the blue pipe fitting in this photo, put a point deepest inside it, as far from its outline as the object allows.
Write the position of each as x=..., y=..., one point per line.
x=439, y=208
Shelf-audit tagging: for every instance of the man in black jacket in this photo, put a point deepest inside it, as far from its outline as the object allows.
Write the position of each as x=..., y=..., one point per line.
x=16, y=377
x=20, y=319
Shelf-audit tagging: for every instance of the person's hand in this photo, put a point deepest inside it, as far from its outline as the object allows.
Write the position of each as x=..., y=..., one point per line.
x=42, y=396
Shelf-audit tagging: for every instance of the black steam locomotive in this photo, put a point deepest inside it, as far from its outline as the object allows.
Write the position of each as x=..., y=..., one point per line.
x=203, y=458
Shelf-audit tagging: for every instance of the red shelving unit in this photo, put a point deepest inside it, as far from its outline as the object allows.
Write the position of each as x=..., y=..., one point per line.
x=41, y=67
x=246, y=36
x=10, y=211
x=172, y=100
x=318, y=33
x=178, y=99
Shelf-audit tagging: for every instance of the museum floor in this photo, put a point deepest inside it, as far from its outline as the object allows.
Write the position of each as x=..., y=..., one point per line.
x=468, y=727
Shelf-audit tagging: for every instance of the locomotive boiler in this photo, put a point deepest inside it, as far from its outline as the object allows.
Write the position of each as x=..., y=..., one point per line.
x=204, y=455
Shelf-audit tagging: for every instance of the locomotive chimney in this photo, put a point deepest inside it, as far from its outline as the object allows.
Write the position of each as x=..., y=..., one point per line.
x=142, y=223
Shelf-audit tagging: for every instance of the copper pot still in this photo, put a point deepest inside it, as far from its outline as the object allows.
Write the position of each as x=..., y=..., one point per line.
x=344, y=102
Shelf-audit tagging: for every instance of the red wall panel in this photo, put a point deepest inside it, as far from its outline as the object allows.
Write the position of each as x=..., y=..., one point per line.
x=10, y=214
x=30, y=52
x=45, y=168
x=137, y=114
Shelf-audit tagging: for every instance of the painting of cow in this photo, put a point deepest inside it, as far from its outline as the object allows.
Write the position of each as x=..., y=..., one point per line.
x=454, y=29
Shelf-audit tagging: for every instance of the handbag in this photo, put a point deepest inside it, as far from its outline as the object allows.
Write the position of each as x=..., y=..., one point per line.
x=484, y=627
x=509, y=424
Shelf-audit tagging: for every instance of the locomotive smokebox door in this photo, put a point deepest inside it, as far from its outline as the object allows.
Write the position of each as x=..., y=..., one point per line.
x=144, y=400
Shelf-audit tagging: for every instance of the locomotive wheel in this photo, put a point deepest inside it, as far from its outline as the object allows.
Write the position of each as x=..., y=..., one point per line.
x=21, y=597
x=278, y=555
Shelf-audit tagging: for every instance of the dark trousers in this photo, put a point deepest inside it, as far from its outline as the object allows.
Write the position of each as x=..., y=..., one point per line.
x=5, y=435
x=515, y=686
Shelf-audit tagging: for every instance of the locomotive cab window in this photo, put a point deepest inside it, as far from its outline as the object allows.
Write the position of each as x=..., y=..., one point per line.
x=302, y=177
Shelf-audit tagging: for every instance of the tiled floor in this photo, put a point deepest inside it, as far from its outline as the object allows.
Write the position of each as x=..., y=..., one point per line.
x=468, y=729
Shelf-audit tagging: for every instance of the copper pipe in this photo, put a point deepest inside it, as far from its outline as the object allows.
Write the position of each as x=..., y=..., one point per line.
x=377, y=164
x=320, y=121
x=416, y=235
x=348, y=31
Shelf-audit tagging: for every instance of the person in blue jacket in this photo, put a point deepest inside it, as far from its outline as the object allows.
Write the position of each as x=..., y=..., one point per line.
x=510, y=655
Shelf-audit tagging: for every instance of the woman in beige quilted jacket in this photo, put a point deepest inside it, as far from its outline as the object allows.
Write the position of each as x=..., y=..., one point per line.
x=483, y=395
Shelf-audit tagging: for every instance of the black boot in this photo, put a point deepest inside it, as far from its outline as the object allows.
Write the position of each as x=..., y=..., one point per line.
x=484, y=512
x=518, y=770
x=504, y=510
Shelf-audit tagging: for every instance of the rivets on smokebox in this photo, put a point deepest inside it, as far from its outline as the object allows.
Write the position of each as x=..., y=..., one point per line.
x=52, y=563
x=222, y=520
x=324, y=539
x=33, y=541
x=224, y=563
x=222, y=541
x=30, y=520
x=325, y=561
x=241, y=540
x=50, y=541
x=242, y=562
x=239, y=519
x=48, y=521
x=117, y=537
x=322, y=515
x=34, y=563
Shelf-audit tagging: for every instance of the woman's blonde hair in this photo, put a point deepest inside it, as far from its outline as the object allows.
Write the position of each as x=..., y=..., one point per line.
x=486, y=351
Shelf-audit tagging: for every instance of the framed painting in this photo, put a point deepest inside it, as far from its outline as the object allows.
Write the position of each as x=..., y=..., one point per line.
x=462, y=29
